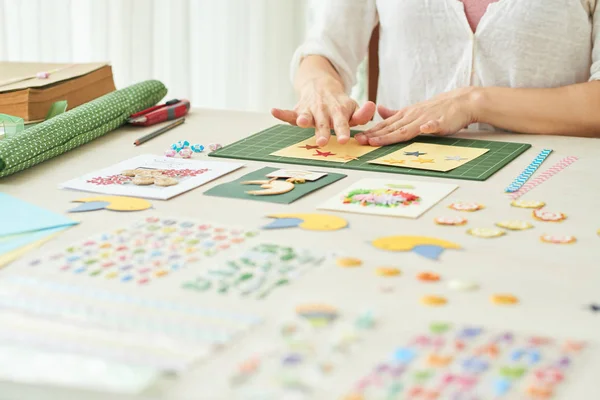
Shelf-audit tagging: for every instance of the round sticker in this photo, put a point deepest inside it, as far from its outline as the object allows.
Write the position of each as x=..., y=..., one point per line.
x=387, y=271
x=433, y=300
x=548, y=216
x=504, y=299
x=558, y=239
x=527, y=204
x=348, y=262
x=428, y=277
x=486, y=232
x=456, y=221
x=515, y=225
x=466, y=206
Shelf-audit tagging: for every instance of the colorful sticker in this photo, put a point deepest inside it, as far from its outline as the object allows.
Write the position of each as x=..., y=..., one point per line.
x=548, y=216
x=504, y=299
x=515, y=225
x=567, y=239
x=470, y=207
x=348, y=262
x=486, y=233
x=455, y=221
x=527, y=204
x=433, y=300
x=386, y=198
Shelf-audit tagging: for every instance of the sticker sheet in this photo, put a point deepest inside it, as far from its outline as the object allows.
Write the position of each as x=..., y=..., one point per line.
x=258, y=272
x=151, y=249
x=151, y=177
x=333, y=151
x=433, y=157
x=471, y=362
x=389, y=197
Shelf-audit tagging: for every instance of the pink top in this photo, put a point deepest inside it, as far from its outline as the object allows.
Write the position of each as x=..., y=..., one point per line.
x=474, y=9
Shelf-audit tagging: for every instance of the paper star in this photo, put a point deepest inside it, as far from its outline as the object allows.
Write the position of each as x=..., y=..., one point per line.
x=455, y=158
x=414, y=153
x=323, y=153
x=348, y=158
x=423, y=160
x=393, y=161
x=308, y=147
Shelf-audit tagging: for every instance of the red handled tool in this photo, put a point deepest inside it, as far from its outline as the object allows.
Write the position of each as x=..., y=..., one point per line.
x=172, y=109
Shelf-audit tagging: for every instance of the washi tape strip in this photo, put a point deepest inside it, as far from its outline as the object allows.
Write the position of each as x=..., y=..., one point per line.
x=544, y=176
x=528, y=172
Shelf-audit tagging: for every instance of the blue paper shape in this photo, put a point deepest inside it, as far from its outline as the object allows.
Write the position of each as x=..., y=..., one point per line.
x=404, y=355
x=429, y=251
x=18, y=217
x=501, y=386
x=15, y=242
x=91, y=206
x=281, y=223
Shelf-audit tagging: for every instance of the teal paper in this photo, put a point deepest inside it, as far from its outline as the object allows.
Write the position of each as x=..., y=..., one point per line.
x=10, y=243
x=17, y=216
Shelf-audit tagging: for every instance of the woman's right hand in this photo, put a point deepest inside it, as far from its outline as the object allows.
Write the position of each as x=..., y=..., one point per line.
x=324, y=105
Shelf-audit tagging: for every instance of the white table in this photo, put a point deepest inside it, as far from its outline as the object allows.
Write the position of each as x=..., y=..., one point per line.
x=554, y=283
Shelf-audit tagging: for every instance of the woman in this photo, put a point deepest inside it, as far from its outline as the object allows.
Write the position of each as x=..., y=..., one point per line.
x=528, y=66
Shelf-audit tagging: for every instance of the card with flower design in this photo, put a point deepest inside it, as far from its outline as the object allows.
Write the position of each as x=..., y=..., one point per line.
x=409, y=199
x=151, y=177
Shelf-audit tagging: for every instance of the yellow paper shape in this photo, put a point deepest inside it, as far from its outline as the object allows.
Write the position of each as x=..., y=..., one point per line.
x=433, y=157
x=119, y=203
x=316, y=222
x=407, y=243
x=334, y=152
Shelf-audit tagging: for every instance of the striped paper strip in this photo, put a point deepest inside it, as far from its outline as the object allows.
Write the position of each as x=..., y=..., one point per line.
x=544, y=176
x=528, y=172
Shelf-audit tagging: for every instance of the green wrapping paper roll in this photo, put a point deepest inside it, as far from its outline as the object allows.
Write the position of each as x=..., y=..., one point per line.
x=76, y=127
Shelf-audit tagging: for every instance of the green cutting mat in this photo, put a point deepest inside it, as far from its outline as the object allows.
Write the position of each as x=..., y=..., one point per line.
x=259, y=146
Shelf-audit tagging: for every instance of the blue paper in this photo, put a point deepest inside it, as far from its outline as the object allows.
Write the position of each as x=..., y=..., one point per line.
x=91, y=206
x=429, y=251
x=17, y=216
x=283, y=223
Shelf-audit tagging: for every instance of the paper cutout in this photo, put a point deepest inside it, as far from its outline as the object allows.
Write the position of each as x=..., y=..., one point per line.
x=333, y=151
x=271, y=187
x=527, y=204
x=314, y=222
x=450, y=221
x=515, y=225
x=469, y=207
x=283, y=223
x=427, y=247
x=548, y=216
x=544, y=176
x=486, y=233
x=35, y=240
x=319, y=315
x=91, y=206
x=438, y=157
x=567, y=239
x=115, y=203
x=190, y=174
x=528, y=172
x=293, y=173
x=380, y=197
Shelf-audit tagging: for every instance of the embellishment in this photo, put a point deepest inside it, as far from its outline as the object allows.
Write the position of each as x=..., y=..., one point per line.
x=323, y=153
x=455, y=158
x=348, y=262
x=558, y=239
x=424, y=246
x=450, y=221
x=308, y=147
x=414, y=153
x=527, y=203
x=214, y=147
x=434, y=301
x=544, y=176
x=271, y=187
x=319, y=315
x=469, y=207
x=348, y=158
x=388, y=271
x=515, y=225
x=387, y=198
x=424, y=160
x=548, y=216
x=486, y=233
x=504, y=299
x=528, y=172
x=462, y=286
x=428, y=277
x=393, y=161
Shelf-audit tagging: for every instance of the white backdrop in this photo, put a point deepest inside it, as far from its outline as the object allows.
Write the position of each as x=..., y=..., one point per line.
x=232, y=54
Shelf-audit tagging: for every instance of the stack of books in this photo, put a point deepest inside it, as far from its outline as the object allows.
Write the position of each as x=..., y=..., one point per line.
x=28, y=90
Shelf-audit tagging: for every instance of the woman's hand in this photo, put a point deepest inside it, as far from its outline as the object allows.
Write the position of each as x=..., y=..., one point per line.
x=324, y=105
x=445, y=114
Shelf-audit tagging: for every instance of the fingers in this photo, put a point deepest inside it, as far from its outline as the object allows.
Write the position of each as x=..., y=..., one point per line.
x=341, y=126
x=382, y=128
x=288, y=116
x=397, y=134
x=305, y=120
x=385, y=112
x=322, y=128
x=363, y=114
x=431, y=127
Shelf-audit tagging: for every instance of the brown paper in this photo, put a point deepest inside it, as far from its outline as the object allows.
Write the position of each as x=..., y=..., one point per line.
x=19, y=76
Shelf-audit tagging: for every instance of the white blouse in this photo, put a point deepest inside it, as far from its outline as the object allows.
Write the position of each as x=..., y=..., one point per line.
x=427, y=46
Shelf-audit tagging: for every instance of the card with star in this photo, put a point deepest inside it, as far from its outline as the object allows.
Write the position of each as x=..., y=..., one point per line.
x=334, y=152
x=433, y=157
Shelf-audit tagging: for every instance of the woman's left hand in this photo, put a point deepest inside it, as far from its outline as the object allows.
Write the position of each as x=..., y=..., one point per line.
x=444, y=114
